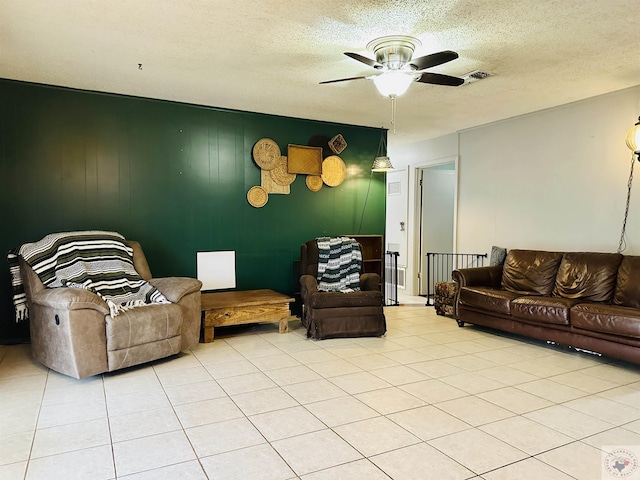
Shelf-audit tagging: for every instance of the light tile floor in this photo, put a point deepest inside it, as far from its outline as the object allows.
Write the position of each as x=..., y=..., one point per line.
x=427, y=401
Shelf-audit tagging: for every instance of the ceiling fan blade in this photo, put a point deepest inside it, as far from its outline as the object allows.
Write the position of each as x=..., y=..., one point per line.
x=439, y=79
x=342, y=80
x=434, y=59
x=365, y=60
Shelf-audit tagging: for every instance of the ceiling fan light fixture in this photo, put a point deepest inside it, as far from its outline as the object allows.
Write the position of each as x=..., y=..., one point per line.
x=393, y=83
x=394, y=58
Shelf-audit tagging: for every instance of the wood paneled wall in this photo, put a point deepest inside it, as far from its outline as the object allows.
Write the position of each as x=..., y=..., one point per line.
x=172, y=176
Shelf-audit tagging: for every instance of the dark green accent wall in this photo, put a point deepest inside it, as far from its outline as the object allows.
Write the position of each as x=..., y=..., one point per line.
x=172, y=176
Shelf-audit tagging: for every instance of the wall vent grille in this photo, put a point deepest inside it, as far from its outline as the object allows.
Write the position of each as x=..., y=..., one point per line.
x=393, y=188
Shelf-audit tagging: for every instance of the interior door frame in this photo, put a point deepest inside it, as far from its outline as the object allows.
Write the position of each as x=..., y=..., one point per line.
x=416, y=214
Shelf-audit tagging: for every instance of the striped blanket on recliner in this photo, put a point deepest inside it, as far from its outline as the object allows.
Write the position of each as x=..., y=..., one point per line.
x=101, y=262
x=339, y=264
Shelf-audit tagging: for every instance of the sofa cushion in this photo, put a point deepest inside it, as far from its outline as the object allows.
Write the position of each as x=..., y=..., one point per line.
x=542, y=309
x=627, y=291
x=611, y=319
x=587, y=276
x=141, y=325
x=530, y=272
x=486, y=298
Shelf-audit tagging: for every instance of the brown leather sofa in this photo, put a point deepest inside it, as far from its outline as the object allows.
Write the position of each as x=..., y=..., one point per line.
x=336, y=314
x=589, y=301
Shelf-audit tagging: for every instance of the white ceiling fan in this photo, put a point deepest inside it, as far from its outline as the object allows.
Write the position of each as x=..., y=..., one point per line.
x=398, y=70
x=393, y=58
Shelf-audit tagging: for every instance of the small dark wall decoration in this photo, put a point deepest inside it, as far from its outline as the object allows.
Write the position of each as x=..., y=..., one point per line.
x=172, y=176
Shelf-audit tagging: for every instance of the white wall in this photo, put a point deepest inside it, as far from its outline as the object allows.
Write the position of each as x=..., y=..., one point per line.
x=555, y=179
x=420, y=152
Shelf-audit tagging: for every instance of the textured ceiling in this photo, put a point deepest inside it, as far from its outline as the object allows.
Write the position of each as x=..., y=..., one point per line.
x=268, y=56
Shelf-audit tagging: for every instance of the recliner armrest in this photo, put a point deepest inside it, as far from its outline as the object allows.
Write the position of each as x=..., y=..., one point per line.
x=369, y=281
x=479, y=276
x=175, y=288
x=69, y=299
x=308, y=284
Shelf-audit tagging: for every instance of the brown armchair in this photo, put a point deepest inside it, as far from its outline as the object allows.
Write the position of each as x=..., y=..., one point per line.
x=337, y=314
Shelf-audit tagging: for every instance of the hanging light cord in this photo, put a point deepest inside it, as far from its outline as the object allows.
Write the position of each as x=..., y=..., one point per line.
x=382, y=151
x=382, y=146
x=365, y=203
x=622, y=246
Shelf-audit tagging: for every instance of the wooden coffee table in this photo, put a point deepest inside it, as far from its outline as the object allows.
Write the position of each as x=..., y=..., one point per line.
x=240, y=307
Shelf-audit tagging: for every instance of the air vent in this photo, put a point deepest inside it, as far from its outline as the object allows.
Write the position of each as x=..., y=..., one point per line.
x=393, y=247
x=475, y=76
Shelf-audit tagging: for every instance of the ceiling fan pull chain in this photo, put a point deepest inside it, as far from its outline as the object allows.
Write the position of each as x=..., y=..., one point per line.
x=393, y=112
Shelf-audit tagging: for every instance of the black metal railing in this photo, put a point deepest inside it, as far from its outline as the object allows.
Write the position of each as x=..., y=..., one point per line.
x=391, y=279
x=440, y=266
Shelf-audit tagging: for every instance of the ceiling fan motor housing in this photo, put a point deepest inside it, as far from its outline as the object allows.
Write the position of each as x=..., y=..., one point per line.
x=394, y=51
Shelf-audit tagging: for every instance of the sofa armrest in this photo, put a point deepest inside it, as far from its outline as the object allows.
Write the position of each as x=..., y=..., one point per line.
x=308, y=284
x=174, y=288
x=479, y=276
x=69, y=299
x=369, y=282
x=475, y=277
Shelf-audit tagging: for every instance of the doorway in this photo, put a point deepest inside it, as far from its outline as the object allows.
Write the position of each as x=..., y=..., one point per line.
x=436, y=194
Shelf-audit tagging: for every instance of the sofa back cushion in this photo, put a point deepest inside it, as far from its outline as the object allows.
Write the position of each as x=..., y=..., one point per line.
x=309, y=258
x=627, y=291
x=587, y=276
x=530, y=272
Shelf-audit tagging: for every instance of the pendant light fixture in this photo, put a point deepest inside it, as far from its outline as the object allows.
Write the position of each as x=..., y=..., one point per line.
x=382, y=163
x=633, y=139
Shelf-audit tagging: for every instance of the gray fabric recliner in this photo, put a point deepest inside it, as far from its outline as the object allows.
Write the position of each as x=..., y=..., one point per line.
x=336, y=314
x=73, y=333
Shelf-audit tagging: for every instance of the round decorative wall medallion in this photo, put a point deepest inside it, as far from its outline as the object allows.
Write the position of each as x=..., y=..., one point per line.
x=257, y=196
x=334, y=171
x=266, y=153
x=314, y=182
x=280, y=174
